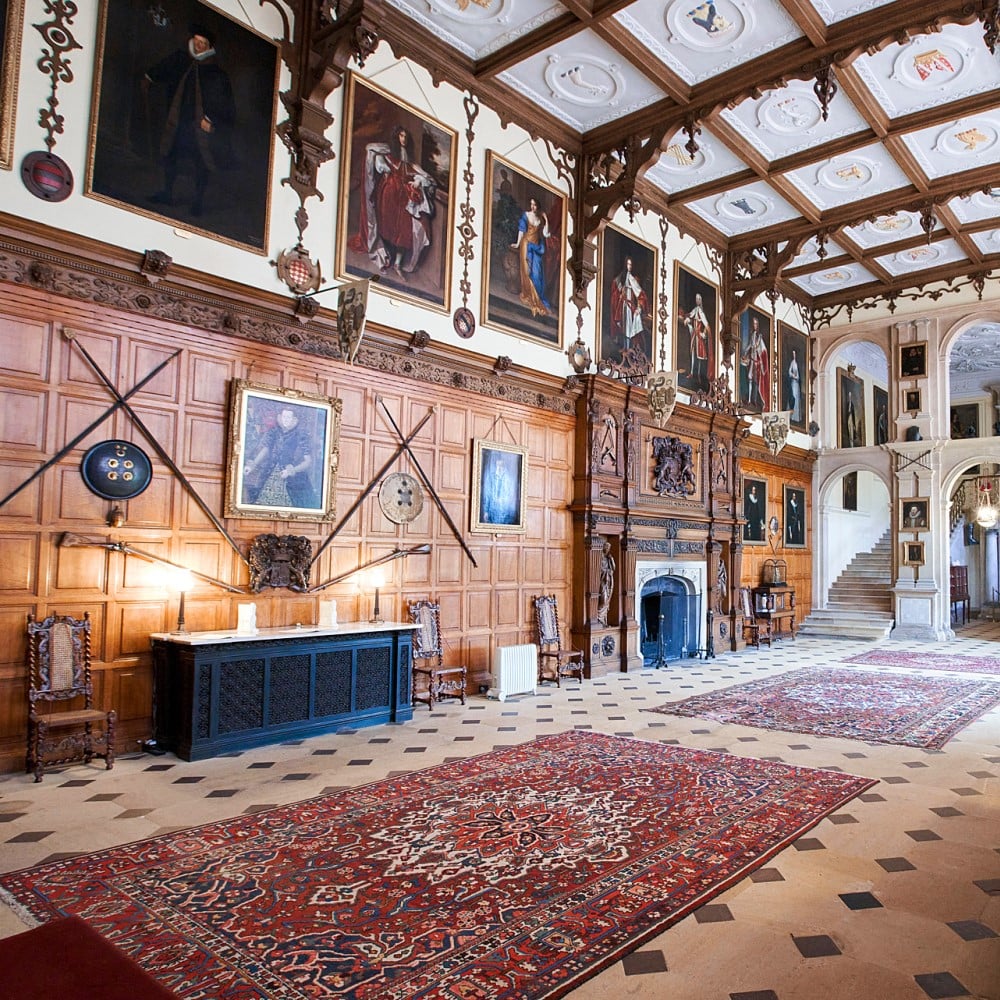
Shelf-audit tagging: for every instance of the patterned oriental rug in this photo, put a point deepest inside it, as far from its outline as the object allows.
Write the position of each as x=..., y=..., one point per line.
x=517, y=874
x=928, y=661
x=869, y=705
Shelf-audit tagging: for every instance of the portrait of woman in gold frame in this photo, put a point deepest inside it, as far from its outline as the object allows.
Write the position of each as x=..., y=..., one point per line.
x=499, y=488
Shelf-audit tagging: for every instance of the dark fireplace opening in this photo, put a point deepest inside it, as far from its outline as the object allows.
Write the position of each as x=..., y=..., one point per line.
x=668, y=627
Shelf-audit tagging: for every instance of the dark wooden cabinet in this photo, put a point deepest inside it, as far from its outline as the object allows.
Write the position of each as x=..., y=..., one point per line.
x=960, y=594
x=218, y=692
x=774, y=610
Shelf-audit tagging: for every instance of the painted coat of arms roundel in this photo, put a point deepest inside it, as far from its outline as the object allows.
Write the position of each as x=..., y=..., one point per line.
x=401, y=498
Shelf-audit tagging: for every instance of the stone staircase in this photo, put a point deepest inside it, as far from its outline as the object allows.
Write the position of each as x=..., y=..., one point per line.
x=860, y=602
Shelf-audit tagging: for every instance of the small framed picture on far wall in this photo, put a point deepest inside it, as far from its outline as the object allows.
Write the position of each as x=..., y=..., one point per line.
x=913, y=553
x=913, y=360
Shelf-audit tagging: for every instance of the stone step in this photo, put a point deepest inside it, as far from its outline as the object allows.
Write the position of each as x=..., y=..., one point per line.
x=844, y=624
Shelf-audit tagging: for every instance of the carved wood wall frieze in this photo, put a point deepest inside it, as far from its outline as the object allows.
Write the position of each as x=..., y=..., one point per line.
x=116, y=286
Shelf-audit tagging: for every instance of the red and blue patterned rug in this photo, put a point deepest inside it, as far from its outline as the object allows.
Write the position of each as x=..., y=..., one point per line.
x=869, y=705
x=517, y=874
x=928, y=661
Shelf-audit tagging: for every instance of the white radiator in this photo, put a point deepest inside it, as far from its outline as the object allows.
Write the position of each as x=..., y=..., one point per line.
x=515, y=671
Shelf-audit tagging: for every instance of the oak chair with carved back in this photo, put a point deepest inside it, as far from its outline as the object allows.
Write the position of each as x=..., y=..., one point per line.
x=432, y=681
x=62, y=720
x=554, y=661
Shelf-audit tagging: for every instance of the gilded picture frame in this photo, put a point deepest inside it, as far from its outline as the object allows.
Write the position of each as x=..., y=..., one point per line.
x=880, y=414
x=850, y=410
x=754, y=511
x=794, y=506
x=397, y=197
x=284, y=452
x=524, y=270
x=694, y=347
x=214, y=179
x=913, y=360
x=793, y=369
x=629, y=270
x=499, y=488
x=11, y=20
x=914, y=514
x=754, y=380
x=913, y=553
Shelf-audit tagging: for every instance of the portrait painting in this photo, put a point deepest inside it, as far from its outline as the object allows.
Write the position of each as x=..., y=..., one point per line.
x=914, y=514
x=754, y=511
x=755, y=361
x=696, y=302
x=11, y=17
x=397, y=195
x=793, y=365
x=965, y=420
x=911, y=400
x=524, y=268
x=851, y=491
x=628, y=271
x=913, y=553
x=284, y=451
x=880, y=414
x=182, y=118
x=850, y=410
x=913, y=360
x=971, y=533
x=499, y=487
x=795, y=517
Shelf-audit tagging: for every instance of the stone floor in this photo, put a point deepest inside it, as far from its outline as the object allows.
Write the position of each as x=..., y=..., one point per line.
x=894, y=897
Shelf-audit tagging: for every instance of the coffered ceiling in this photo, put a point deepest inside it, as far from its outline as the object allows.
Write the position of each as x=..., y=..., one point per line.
x=895, y=182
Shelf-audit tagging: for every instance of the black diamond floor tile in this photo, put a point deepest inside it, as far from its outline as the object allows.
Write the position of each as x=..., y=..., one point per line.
x=922, y=835
x=860, y=901
x=972, y=930
x=896, y=864
x=941, y=985
x=642, y=963
x=946, y=811
x=767, y=875
x=713, y=913
x=816, y=946
x=809, y=844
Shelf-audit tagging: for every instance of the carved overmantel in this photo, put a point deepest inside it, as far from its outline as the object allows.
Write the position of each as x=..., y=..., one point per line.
x=653, y=495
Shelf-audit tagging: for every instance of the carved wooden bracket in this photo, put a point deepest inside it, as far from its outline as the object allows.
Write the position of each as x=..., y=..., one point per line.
x=318, y=46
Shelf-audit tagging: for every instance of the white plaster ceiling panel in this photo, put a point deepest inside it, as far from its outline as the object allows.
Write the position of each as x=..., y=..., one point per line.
x=583, y=81
x=930, y=70
x=699, y=39
x=834, y=278
x=849, y=177
x=833, y=11
x=477, y=28
x=976, y=350
x=744, y=209
x=809, y=253
x=988, y=241
x=921, y=257
x=866, y=357
x=790, y=119
x=887, y=229
x=977, y=207
x=676, y=170
x=960, y=145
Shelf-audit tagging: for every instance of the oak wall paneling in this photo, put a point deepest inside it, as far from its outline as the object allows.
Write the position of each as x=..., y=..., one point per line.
x=48, y=393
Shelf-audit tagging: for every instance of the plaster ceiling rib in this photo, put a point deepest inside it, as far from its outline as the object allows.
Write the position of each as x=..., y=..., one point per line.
x=444, y=63
x=804, y=14
x=551, y=33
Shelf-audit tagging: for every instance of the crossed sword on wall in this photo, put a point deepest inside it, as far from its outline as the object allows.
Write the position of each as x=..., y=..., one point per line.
x=69, y=539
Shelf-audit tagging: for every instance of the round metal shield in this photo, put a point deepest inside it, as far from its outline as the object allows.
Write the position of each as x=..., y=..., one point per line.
x=116, y=470
x=401, y=498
